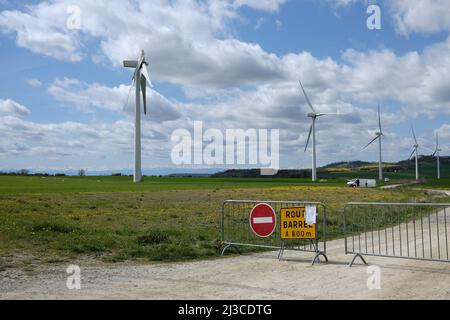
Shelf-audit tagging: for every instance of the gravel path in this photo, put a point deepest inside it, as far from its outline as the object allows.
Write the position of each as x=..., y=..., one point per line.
x=257, y=276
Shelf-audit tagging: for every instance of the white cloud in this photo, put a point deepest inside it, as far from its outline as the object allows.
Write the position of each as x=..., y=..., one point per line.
x=35, y=83
x=90, y=97
x=11, y=108
x=411, y=16
x=42, y=29
x=259, y=23
x=265, y=5
x=444, y=135
x=187, y=42
x=94, y=145
x=421, y=16
x=416, y=80
x=344, y=3
x=278, y=24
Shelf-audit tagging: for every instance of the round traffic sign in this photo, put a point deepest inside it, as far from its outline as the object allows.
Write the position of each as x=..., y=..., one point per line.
x=263, y=220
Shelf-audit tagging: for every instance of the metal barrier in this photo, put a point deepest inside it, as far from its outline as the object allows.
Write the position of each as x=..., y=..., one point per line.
x=400, y=230
x=235, y=228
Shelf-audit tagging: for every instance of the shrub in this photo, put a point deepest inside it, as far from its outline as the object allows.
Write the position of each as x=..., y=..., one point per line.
x=153, y=237
x=52, y=227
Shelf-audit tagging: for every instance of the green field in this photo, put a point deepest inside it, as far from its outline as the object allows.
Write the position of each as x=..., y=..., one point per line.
x=54, y=219
x=37, y=184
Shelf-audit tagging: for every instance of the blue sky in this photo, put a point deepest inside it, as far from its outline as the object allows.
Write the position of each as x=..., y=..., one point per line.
x=230, y=64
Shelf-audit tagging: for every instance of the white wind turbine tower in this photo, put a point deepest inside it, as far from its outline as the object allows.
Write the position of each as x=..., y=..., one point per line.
x=312, y=130
x=415, y=152
x=140, y=78
x=436, y=153
x=378, y=134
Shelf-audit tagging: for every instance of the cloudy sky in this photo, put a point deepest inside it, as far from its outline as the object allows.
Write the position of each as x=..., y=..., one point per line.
x=228, y=63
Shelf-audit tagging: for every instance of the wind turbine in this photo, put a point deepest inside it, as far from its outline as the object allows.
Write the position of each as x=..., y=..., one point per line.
x=415, y=147
x=140, y=78
x=378, y=134
x=436, y=153
x=312, y=130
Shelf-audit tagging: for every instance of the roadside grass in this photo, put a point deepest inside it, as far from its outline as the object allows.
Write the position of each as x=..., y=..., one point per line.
x=437, y=184
x=176, y=225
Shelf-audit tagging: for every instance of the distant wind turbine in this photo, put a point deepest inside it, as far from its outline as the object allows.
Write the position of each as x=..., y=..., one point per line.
x=415, y=152
x=436, y=153
x=140, y=78
x=312, y=131
x=378, y=134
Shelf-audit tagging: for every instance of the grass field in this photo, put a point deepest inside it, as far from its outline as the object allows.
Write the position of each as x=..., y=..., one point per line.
x=437, y=184
x=162, y=219
x=35, y=184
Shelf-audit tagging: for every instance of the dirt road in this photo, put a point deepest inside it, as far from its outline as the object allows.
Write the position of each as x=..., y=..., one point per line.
x=257, y=276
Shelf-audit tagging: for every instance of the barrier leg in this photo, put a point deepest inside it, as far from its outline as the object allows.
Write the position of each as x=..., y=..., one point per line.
x=225, y=248
x=317, y=257
x=280, y=253
x=354, y=258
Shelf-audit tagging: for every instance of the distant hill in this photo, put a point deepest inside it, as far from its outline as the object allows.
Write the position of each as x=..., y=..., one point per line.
x=256, y=173
x=425, y=161
x=347, y=164
x=343, y=169
x=189, y=175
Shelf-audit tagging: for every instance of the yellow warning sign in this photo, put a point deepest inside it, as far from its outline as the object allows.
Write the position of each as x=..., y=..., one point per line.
x=293, y=225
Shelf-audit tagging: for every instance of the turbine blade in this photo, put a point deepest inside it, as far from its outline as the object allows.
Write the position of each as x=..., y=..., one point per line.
x=371, y=142
x=410, y=157
x=306, y=97
x=309, y=137
x=379, y=119
x=144, y=92
x=332, y=114
x=144, y=72
x=414, y=135
x=128, y=96
x=327, y=114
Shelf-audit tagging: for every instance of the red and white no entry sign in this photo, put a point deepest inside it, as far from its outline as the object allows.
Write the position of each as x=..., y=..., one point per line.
x=263, y=220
